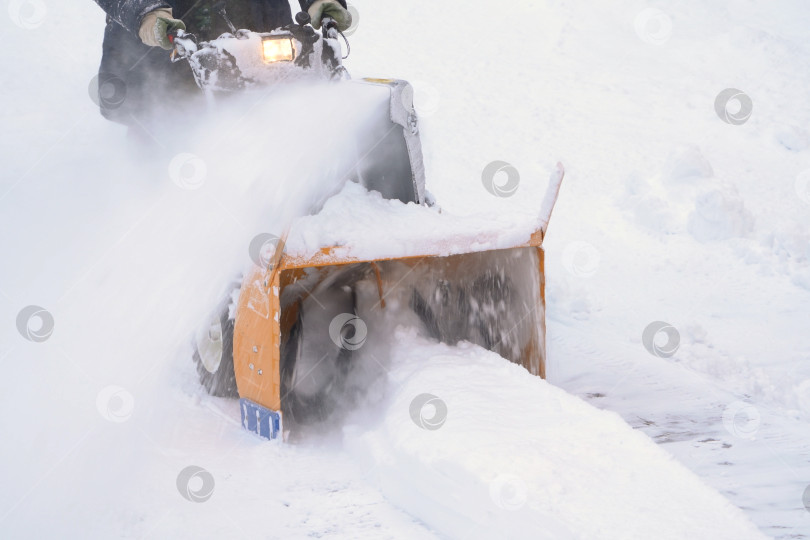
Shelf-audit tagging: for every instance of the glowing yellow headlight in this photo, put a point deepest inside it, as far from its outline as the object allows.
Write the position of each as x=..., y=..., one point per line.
x=277, y=49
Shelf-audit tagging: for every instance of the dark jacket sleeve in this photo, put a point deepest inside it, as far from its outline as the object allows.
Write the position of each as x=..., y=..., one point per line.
x=129, y=13
x=305, y=4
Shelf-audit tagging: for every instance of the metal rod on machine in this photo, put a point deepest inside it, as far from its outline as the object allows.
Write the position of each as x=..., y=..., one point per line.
x=550, y=197
x=379, y=283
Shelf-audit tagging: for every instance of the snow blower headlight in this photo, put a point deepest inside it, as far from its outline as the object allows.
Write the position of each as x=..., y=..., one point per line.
x=277, y=49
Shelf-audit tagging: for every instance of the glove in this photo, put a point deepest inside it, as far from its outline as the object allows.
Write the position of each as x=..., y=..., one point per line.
x=329, y=8
x=156, y=26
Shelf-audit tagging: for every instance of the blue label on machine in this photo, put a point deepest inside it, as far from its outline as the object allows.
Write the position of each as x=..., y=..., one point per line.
x=264, y=422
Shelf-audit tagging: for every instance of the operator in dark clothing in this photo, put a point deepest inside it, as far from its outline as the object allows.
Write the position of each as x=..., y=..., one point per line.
x=136, y=77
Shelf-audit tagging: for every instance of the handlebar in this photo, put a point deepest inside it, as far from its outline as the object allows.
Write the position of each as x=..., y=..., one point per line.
x=329, y=27
x=185, y=44
x=330, y=30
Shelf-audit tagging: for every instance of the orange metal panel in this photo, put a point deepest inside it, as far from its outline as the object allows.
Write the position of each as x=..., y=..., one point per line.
x=256, y=340
x=327, y=256
x=260, y=324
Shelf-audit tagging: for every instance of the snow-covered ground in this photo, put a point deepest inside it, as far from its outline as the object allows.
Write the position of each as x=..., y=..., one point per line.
x=668, y=213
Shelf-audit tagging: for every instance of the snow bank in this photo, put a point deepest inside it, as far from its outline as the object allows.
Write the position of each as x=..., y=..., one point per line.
x=502, y=454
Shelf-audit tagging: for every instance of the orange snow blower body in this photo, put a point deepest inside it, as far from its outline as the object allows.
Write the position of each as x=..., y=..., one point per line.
x=264, y=322
x=286, y=346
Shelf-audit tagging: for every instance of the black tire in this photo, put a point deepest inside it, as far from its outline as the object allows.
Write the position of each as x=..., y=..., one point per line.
x=298, y=408
x=216, y=373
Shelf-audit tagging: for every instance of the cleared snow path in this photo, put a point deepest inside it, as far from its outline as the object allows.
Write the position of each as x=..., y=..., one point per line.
x=752, y=454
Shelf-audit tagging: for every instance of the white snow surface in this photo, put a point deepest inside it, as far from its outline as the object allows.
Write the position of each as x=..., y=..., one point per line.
x=350, y=224
x=667, y=214
x=548, y=466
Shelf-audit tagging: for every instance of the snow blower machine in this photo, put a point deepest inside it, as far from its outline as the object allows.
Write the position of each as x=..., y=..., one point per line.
x=284, y=337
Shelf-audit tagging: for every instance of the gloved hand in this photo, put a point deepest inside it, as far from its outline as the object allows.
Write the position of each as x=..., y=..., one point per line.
x=156, y=26
x=329, y=8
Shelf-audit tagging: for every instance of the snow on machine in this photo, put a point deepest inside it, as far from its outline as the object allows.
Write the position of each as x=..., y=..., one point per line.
x=284, y=338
